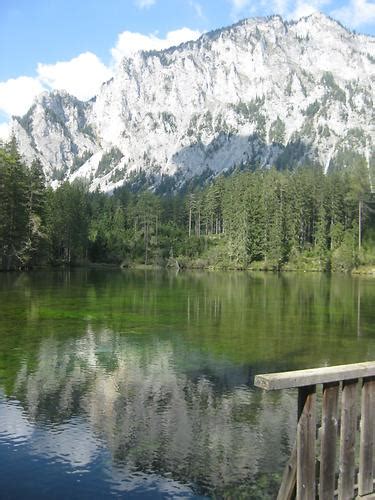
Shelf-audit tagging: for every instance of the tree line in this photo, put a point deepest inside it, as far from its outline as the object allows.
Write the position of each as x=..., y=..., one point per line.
x=267, y=219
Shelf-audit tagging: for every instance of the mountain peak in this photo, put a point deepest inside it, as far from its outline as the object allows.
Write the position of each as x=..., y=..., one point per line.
x=258, y=93
x=320, y=17
x=322, y=21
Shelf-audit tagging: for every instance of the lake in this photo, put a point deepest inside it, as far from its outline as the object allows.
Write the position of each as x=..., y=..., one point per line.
x=140, y=384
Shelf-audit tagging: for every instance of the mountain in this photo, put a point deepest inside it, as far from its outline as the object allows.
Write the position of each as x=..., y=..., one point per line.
x=261, y=92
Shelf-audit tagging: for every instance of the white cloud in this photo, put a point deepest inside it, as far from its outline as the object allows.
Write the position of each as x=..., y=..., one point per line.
x=248, y=8
x=303, y=8
x=144, y=4
x=179, y=36
x=356, y=13
x=198, y=9
x=128, y=42
x=17, y=94
x=82, y=76
x=74, y=444
x=280, y=7
x=4, y=131
x=239, y=7
x=240, y=4
x=13, y=423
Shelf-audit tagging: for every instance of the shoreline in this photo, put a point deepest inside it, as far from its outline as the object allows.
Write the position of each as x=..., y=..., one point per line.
x=364, y=270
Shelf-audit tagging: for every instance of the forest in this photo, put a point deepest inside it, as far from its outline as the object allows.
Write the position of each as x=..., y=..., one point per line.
x=269, y=219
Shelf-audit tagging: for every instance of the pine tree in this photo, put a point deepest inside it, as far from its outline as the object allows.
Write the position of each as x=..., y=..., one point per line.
x=14, y=196
x=320, y=236
x=36, y=207
x=68, y=222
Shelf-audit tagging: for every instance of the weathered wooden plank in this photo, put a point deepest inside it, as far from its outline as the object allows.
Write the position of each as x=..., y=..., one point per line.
x=288, y=483
x=347, y=436
x=300, y=378
x=370, y=496
x=306, y=433
x=366, y=454
x=328, y=441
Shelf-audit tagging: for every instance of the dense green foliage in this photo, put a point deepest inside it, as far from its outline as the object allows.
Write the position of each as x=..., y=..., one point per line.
x=266, y=219
x=22, y=210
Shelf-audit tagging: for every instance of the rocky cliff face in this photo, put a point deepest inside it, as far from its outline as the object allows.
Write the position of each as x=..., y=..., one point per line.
x=262, y=92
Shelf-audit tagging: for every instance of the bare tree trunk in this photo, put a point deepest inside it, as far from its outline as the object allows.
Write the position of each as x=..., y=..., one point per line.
x=359, y=225
x=146, y=244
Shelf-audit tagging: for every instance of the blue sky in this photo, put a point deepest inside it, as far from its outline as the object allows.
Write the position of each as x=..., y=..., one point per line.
x=75, y=44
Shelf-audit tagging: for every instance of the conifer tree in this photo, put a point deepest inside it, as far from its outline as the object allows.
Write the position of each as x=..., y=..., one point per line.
x=14, y=196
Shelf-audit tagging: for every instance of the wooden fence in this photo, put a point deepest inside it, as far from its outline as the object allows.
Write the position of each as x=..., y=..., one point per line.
x=339, y=470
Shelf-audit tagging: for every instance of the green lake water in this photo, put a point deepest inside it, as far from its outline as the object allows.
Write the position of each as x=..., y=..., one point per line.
x=139, y=385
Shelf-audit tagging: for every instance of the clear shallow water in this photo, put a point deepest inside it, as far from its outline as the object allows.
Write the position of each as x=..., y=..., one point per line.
x=139, y=385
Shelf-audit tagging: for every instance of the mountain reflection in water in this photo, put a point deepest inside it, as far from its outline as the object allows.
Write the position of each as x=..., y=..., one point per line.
x=141, y=385
x=104, y=390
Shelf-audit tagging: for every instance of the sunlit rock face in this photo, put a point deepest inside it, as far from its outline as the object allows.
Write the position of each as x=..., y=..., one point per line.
x=262, y=92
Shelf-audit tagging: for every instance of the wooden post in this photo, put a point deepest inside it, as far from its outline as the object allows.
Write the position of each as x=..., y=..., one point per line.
x=301, y=468
x=366, y=454
x=306, y=432
x=287, y=489
x=347, y=436
x=328, y=441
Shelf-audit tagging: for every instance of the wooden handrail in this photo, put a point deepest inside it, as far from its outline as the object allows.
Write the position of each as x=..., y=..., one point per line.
x=300, y=480
x=300, y=378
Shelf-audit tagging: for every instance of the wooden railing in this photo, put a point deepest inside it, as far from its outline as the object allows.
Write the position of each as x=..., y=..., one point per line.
x=337, y=472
